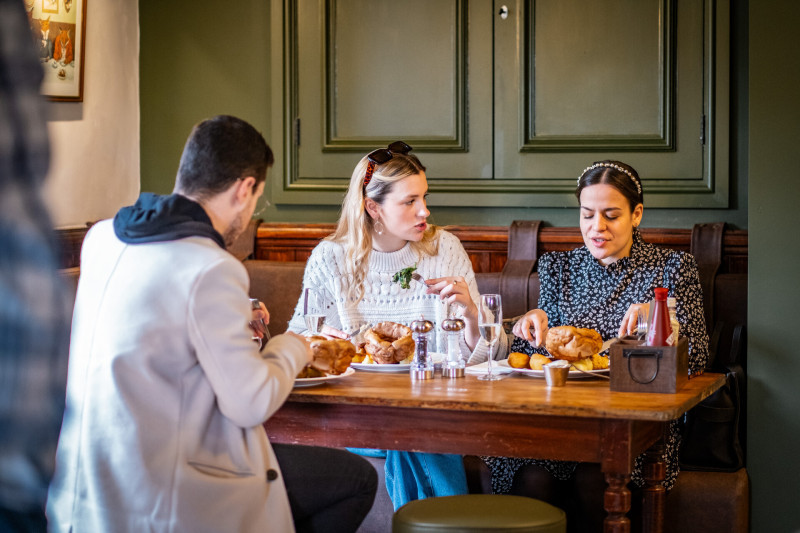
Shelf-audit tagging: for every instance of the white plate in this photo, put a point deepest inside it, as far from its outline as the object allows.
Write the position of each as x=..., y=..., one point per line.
x=405, y=367
x=573, y=374
x=313, y=382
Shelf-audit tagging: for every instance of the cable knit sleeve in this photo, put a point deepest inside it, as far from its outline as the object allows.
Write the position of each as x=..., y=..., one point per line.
x=454, y=261
x=323, y=271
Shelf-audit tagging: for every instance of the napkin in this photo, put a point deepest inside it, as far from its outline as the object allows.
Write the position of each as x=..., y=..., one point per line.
x=498, y=367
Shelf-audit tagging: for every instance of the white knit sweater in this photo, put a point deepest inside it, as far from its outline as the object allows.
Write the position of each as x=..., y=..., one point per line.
x=386, y=300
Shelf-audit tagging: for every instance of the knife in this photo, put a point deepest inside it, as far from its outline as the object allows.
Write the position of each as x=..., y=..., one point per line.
x=607, y=344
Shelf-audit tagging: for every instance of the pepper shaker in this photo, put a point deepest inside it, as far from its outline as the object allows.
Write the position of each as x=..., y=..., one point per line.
x=454, y=366
x=422, y=365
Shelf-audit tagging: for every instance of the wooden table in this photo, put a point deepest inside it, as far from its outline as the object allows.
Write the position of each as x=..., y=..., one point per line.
x=519, y=416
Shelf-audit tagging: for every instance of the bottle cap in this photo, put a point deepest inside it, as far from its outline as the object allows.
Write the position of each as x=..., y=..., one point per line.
x=661, y=293
x=452, y=324
x=421, y=325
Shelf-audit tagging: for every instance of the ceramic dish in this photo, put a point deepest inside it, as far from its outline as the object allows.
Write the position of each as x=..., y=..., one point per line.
x=313, y=382
x=405, y=367
x=573, y=374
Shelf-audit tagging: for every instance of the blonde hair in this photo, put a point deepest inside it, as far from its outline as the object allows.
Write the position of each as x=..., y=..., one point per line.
x=354, y=228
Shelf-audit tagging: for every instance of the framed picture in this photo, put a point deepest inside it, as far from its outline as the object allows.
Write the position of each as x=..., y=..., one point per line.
x=59, y=30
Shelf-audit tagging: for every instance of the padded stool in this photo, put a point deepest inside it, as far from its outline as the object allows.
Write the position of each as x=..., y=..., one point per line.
x=479, y=512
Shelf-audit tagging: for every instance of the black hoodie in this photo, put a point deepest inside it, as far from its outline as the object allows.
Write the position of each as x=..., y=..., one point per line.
x=158, y=218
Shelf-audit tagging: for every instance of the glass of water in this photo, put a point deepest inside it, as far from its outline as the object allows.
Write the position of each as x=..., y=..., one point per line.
x=490, y=326
x=314, y=310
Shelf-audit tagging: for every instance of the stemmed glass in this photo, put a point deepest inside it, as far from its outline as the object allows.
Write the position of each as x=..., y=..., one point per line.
x=314, y=310
x=490, y=326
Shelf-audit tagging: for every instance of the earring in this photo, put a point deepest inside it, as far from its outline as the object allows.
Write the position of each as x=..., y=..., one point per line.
x=379, y=227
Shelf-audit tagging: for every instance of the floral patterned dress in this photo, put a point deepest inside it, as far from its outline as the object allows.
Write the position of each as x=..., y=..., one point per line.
x=575, y=289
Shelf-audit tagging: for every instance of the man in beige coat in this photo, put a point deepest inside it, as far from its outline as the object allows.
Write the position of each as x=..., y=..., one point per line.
x=167, y=393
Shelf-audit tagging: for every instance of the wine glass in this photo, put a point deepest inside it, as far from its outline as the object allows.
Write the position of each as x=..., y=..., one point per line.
x=314, y=310
x=490, y=325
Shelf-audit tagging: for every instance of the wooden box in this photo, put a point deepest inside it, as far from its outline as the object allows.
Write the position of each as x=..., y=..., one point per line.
x=639, y=368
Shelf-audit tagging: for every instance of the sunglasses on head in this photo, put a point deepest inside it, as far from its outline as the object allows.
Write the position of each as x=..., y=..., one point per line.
x=381, y=156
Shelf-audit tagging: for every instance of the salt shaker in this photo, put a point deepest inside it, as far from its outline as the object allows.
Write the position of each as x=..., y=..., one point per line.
x=422, y=365
x=454, y=366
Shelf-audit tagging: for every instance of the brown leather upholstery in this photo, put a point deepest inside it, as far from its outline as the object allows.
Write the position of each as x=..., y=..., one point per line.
x=278, y=284
x=245, y=244
x=709, y=501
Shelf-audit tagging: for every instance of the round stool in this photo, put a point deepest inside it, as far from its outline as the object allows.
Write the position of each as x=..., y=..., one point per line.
x=479, y=512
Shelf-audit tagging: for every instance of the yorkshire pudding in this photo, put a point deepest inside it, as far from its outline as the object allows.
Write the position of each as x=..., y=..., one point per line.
x=571, y=343
x=389, y=343
x=332, y=356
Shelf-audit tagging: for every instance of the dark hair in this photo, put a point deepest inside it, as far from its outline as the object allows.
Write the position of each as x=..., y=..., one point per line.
x=619, y=175
x=219, y=151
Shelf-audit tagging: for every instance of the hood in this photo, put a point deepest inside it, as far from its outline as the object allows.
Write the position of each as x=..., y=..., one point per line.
x=158, y=218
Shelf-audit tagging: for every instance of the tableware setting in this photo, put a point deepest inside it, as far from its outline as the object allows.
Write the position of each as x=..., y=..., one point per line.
x=498, y=367
x=313, y=382
x=399, y=367
x=314, y=310
x=574, y=373
x=258, y=326
x=490, y=326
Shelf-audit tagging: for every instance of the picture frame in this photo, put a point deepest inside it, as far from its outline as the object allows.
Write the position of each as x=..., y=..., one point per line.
x=59, y=32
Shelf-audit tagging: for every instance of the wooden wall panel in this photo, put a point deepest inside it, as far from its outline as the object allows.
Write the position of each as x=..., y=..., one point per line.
x=486, y=245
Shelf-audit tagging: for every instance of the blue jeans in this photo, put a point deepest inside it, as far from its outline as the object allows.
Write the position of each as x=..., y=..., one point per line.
x=416, y=475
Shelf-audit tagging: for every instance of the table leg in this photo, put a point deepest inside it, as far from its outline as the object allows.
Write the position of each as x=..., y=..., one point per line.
x=617, y=501
x=654, y=496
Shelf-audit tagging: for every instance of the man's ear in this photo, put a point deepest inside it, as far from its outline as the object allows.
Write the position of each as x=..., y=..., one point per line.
x=244, y=190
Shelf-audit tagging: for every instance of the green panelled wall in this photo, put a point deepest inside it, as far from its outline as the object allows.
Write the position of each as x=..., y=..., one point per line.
x=203, y=58
x=774, y=275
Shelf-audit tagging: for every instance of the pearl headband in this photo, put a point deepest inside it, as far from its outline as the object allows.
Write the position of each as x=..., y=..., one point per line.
x=615, y=167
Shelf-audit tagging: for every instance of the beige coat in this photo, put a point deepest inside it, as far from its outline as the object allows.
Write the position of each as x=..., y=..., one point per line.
x=163, y=426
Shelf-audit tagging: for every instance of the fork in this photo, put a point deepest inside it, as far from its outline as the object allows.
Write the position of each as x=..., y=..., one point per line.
x=571, y=366
x=641, y=326
x=589, y=373
x=416, y=276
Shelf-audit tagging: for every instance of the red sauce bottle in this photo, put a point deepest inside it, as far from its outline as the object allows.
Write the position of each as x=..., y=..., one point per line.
x=659, y=330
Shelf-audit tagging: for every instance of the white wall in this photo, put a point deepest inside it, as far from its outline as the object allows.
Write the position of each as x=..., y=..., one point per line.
x=94, y=167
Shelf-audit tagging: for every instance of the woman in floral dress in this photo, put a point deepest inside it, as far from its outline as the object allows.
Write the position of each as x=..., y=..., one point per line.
x=603, y=285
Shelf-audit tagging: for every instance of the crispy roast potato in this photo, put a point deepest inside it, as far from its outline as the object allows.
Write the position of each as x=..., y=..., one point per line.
x=538, y=361
x=518, y=360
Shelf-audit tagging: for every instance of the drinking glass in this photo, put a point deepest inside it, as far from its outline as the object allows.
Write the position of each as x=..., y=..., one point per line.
x=314, y=310
x=490, y=325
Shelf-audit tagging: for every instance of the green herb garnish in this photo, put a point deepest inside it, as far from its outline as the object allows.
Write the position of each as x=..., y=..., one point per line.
x=404, y=276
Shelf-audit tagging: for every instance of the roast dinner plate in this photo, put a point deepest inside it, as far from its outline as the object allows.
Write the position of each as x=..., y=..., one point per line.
x=573, y=374
x=400, y=367
x=313, y=382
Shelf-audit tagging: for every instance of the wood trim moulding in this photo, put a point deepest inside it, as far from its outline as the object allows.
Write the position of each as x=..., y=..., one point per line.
x=487, y=246
x=70, y=241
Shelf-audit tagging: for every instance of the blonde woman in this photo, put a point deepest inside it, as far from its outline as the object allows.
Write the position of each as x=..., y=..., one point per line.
x=383, y=229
